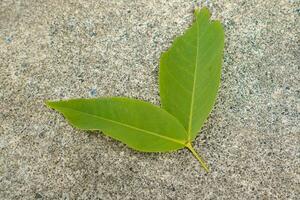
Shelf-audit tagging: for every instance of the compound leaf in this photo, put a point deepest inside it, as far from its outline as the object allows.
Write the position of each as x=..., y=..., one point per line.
x=140, y=125
x=189, y=78
x=190, y=72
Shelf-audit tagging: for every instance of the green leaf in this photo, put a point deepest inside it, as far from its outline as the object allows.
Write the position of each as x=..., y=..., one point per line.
x=140, y=125
x=189, y=79
x=190, y=72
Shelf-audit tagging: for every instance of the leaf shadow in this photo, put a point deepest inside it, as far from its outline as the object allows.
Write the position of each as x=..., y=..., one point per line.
x=149, y=157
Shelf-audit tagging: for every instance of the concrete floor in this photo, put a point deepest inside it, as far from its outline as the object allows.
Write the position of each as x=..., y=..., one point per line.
x=54, y=50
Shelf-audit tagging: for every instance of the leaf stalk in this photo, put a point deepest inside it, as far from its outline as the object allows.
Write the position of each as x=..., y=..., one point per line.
x=201, y=161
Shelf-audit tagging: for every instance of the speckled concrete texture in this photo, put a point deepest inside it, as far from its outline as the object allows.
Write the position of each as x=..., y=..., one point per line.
x=70, y=49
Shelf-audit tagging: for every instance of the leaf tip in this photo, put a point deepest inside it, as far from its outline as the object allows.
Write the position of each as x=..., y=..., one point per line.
x=204, y=11
x=50, y=104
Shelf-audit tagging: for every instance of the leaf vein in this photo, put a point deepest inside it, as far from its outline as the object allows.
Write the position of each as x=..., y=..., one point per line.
x=128, y=126
x=171, y=75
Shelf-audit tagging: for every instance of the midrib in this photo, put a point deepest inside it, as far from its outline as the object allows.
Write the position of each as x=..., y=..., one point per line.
x=128, y=126
x=194, y=84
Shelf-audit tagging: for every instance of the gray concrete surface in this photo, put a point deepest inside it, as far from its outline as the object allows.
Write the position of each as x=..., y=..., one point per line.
x=69, y=49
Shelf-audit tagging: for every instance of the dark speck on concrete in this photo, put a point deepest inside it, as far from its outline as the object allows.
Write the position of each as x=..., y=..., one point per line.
x=38, y=196
x=8, y=39
x=93, y=92
x=24, y=65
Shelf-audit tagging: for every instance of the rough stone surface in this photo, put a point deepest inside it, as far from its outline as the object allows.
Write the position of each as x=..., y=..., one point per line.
x=69, y=49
